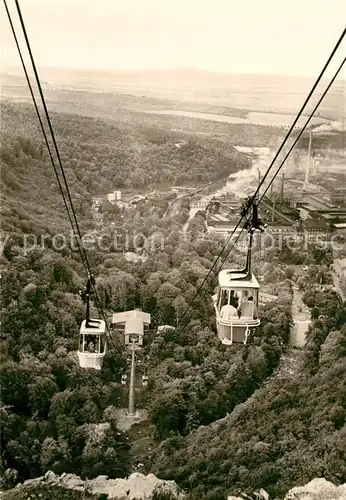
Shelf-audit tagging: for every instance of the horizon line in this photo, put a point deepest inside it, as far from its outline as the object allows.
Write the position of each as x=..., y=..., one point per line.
x=7, y=67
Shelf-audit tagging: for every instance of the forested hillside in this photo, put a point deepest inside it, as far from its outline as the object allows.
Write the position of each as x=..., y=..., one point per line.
x=291, y=432
x=100, y=155
x=50, y=407
x=56, y=416
x=67, y=416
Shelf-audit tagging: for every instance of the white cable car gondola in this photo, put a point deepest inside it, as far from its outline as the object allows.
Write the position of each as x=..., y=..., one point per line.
x=92, y=337
x=233, y=323
x=236, y=303
x=92, y=345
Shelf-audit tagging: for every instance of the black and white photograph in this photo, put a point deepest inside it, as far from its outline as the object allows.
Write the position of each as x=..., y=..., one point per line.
x=173, y=250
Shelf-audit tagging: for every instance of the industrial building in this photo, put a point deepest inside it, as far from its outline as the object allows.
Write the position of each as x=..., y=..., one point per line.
x=319, y=215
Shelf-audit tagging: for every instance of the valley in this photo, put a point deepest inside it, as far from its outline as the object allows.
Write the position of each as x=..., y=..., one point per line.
x=183, y=88
x=219, y=420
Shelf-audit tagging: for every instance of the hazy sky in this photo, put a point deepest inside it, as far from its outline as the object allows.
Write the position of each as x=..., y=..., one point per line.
x=235, y=36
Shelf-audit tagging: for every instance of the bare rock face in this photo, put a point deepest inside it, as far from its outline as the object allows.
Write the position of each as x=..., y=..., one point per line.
x=136, y=487
x=260, y=495
x=140, y=487
x=317, y=489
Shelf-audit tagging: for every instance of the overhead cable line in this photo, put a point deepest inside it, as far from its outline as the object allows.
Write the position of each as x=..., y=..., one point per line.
x=304, y=127
x=302, y=108
x=271, y=166
x=79, y=243
x=38, y=113
x=51, y=130
x=268, y=170
x=272, y=180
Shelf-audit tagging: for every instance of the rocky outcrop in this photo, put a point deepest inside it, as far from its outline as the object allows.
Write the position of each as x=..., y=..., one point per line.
x=140, y=487
x=317, y=489
x=136, y=487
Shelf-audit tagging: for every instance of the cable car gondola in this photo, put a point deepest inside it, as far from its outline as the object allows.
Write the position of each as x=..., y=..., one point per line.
x=231, y=273
x=92, y=337
x=236, y=303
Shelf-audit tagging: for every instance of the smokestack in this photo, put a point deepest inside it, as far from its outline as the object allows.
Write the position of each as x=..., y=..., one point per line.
x=273, y=211
x=307, y=170
x=271, y=190
x=282, y=189
x=259, y=177
x=309, y=148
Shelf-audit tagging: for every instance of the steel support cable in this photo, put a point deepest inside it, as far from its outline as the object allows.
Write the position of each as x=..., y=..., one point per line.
x=270, y=167
x=302, y=108
x=212, y=268
x=304, y=127
x=287, y=136
x=38, y=114
x=80, y=246
x=45, y=135
x=201, y=287
x=291, y=149
x=50, y=127
x=280, y=166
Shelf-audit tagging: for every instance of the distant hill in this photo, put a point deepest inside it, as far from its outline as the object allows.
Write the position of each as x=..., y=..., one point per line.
x=276, y=93
x=98, y=157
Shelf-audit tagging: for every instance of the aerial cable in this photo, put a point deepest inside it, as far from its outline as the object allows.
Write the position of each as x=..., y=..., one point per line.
x=46, y=139
x=303, y=128
x=271, y=181
x=44, y=132
x=51, y=129
x=268, y=170
x=80, y=247
x=270, y=167
x=38, y=114
x=53, y=137
x=302, y=108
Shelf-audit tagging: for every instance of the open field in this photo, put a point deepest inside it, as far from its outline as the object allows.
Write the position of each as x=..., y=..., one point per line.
x=183, y=89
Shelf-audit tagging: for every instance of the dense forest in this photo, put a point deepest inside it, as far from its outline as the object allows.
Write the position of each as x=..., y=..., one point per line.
x=98, y=157
x=102, y=155
x=291, y=432
x=56, y=416
x=67, y=416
